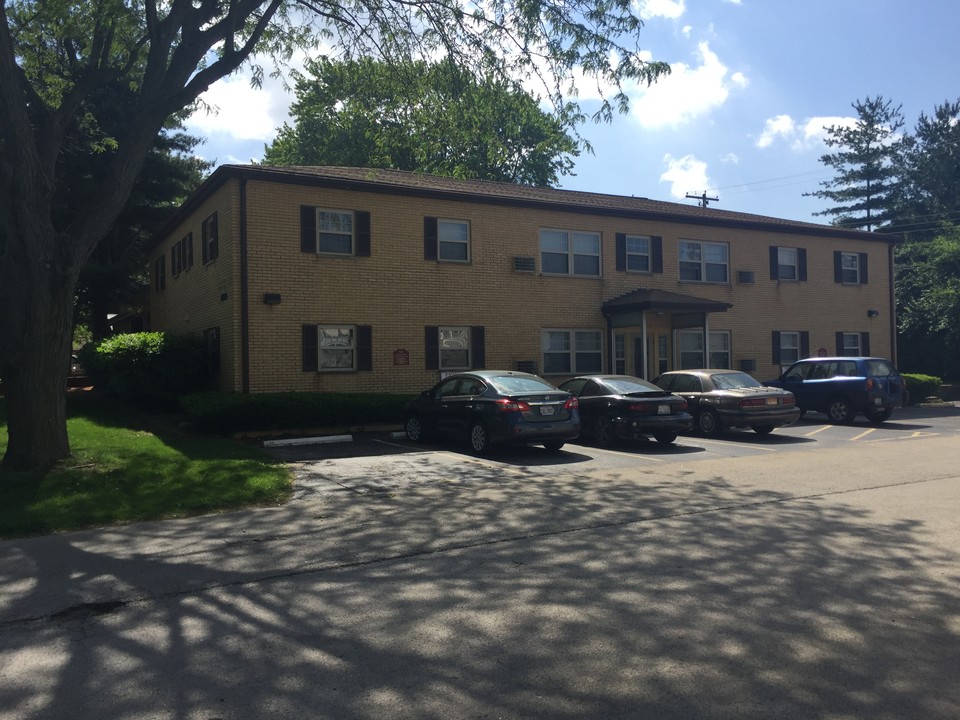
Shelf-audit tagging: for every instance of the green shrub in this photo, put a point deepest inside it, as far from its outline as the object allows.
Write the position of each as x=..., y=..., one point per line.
x=151, y=369
x=920, y=387
x=237, y=412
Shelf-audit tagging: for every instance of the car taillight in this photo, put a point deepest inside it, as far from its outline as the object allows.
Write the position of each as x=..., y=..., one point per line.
x=752, y=402
x=571, y=404
x=789, y=400
x=681, y=406
x=870, y=384
x=508, y=405
x=639, y=407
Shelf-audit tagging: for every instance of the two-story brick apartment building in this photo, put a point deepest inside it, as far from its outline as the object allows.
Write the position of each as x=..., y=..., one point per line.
x=345, y=279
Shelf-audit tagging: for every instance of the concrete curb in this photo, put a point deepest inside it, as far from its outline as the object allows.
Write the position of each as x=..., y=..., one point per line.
x=308, y=440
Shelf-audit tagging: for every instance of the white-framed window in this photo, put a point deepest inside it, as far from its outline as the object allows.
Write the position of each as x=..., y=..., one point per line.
x=691, y=349
x=719, y=349
x=454, y=348
x=569, y=252
x=620, y=353
x=787, y=264
x=568, y=352
x=850, y=344
x=453, y=240
x=704, y=261
x=789, y=347
x=662, y=354
x=335, y=231
x=638, y=253
x=850, y=268
x=337, y=346
x=210, y=236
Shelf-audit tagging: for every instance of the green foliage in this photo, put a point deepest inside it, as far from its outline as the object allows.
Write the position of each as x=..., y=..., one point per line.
x=235, y=412
x=433, y=118
x=126, y=467
x=928, y=305
x=920, y=387
x=866, y=163
x=150, y=369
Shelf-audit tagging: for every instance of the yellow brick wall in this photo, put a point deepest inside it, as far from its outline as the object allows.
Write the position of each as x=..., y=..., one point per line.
x=397, y=292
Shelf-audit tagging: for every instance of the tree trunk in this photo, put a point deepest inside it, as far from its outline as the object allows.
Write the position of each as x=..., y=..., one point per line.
x=38, y=323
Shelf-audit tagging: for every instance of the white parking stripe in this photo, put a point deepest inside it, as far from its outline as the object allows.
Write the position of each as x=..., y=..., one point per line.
x=863, y=434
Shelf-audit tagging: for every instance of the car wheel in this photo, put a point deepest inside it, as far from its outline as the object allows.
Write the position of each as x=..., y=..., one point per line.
x=414, y=429
x=479, y=438
x=553, y=445
x=603, y=431
x=763, y=429
x=665, y=438
x=708, y=423
x=882, y=416
x=839, y=411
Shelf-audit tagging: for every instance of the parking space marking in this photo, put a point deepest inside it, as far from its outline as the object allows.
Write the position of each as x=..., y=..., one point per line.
x=863, y=434
x=818, y=430
x=622, y=453
x=727, y=443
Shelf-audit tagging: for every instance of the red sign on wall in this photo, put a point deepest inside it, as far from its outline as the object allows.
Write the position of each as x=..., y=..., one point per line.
x=401, y=357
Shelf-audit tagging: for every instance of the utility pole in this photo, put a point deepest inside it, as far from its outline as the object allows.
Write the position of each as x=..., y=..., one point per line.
x=704, y=200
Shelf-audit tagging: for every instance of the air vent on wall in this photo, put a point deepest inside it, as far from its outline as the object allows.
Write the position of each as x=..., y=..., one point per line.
x=745, y=277
x=524, y=264
x=748, y=365
x=527, y=366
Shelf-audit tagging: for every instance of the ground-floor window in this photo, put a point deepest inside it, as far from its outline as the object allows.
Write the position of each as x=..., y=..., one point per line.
x=333, y=348
x=619, y=354
x=849, y=344
x=211, y=341
x=568, y=352
x=454, y=348
x=720, y=349
x=691, y=349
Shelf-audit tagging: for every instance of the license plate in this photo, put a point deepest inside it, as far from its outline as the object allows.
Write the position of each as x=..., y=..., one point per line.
x=663, y=409
x=547, y=410
x=771, y=401
x=878, y=401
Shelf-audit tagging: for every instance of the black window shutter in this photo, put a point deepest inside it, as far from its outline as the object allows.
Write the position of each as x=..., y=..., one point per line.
x=802, y=264
x=214, y=237
x=310, y=348
x=656, y=254
x=429, y=238
x=364, y=347
x=308, y=229
x=863, y=268
x=621, y=243
x=837, y=266
x=775, y=343
x=478, y=351
x=363, y=233
x=189, y=241
x=431, y=346
x=864, y=343
x=774, y=262
x=204, y=236
x=839, y=343
x=804, y=344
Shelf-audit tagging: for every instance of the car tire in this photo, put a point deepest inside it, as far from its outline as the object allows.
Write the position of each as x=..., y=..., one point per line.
x=665, y=438
x=603, y=431
x=879, y=417
x=708, y=423
x=479, y=438
x=413, y=427
x=763, y=429
x=839, y=412
x=553, y=445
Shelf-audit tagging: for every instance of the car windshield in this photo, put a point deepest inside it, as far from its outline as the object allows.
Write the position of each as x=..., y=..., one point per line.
x=732, y=381
x=628, y=385
x=513, y=384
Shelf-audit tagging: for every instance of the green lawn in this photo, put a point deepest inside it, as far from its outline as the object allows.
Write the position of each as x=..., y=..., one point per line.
x=127, y=467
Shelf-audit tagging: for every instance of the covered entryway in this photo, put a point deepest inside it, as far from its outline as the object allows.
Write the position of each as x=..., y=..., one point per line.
x=652, y=331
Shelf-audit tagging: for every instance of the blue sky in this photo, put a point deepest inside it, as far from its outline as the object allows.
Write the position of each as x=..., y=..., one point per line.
x=741, y=116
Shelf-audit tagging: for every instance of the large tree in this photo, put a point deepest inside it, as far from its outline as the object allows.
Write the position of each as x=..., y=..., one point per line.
x=60, y=58
x=866, y=163
x=430, y=117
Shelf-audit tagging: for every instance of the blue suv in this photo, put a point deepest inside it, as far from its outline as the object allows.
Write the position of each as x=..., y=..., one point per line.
x=844, y=387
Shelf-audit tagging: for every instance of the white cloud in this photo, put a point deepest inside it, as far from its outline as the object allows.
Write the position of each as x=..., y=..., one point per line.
x=799, y=136
x=685, y=175
x=239, y=110
x=731, y=158
x=670, y=9
x=687, y=93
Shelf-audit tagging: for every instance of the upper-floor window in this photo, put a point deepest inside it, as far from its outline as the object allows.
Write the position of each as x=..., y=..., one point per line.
x=160, y=273
x=788, y=263
x=572, y=351
x=850, y=268
x=181, y=255
x=446, y=240
x=334, y=232
x=566, y=252
x=703, y=261
x=638, y=253
x=210, y=235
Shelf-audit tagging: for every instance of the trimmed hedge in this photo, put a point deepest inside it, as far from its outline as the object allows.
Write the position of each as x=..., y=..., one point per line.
x=920, y=387
x=150, y=369
x=227, y=413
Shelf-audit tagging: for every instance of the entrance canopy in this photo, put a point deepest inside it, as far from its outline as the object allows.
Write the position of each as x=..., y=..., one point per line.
x=629, y=307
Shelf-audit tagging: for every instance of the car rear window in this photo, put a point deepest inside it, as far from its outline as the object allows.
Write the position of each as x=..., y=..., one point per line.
x=880, y=368
x=626, y=385
x=512, y=384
